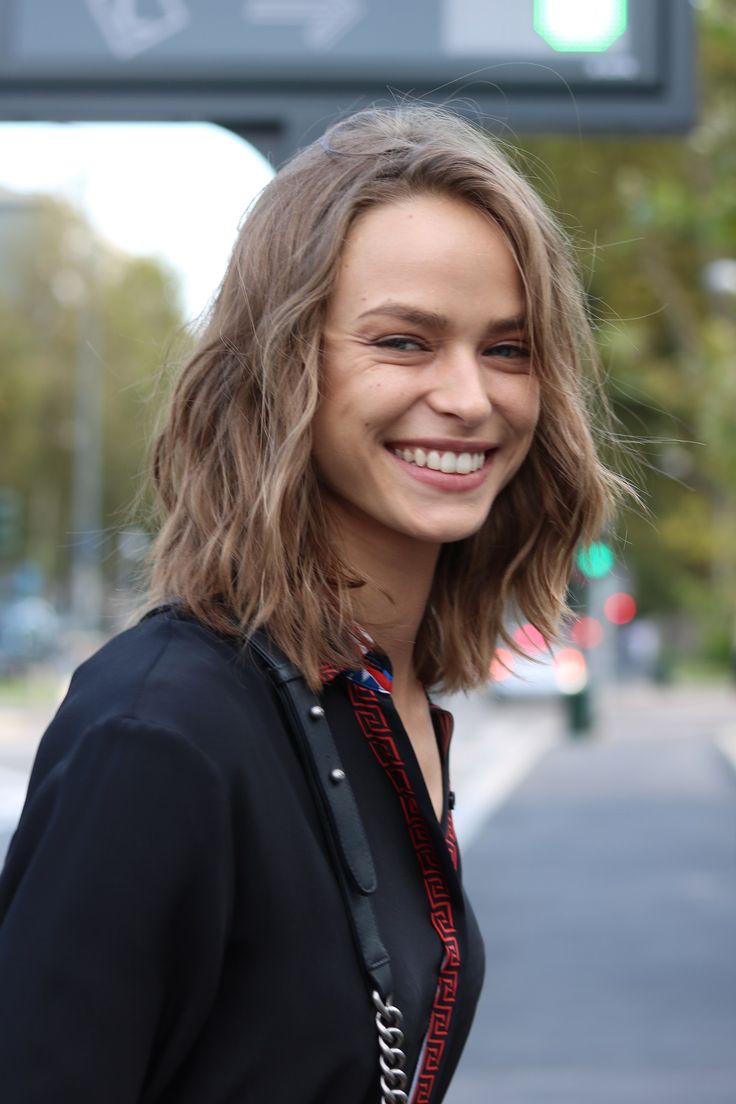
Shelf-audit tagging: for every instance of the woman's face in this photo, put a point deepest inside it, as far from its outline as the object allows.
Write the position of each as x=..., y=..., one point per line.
x=429, y=403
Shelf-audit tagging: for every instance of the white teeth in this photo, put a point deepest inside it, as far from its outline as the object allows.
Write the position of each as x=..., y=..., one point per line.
x=451, y=463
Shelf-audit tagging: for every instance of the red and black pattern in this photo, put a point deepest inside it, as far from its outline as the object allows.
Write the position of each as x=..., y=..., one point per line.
x=451, y=841
x=328, y=672
x=367, y=708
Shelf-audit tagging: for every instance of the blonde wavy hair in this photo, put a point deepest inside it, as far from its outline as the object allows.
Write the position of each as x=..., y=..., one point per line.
x=245, y=539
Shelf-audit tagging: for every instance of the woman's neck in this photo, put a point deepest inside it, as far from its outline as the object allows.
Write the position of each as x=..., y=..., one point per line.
x=391, y=604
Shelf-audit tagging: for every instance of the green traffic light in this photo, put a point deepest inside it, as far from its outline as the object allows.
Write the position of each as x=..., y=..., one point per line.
x=596, y=560
x=589, y=26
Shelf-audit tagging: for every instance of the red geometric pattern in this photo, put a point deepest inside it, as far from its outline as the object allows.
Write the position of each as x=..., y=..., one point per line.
x=328, y=672
x=370, y=717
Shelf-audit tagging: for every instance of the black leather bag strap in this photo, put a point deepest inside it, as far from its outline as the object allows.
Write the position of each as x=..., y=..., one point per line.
x=335, y=798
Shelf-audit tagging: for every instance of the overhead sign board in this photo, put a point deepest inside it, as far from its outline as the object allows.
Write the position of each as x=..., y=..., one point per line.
x=597, y=65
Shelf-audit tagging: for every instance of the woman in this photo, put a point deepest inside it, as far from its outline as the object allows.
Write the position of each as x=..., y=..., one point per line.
x=379, y=449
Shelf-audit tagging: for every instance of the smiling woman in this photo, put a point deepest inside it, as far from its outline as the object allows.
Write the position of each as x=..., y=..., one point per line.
x=237, y=860
x=429, y=407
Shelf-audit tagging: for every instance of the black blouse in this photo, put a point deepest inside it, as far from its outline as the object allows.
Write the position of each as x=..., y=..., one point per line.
x=171, y=928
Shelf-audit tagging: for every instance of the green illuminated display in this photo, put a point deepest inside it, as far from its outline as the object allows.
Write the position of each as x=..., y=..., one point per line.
x=585, y=25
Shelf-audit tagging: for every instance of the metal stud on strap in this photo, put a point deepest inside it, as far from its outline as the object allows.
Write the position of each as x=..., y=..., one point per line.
x=391, y=1057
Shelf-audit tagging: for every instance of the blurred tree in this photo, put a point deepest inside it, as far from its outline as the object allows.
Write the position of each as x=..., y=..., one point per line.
x=52, y=271
x=652, y=217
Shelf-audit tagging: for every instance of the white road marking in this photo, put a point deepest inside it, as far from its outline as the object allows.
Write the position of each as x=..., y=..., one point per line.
x=726, y=744
x=494, y=777
x=494, y=747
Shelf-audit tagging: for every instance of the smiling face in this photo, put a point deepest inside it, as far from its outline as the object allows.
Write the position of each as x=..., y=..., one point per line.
x=429, y=403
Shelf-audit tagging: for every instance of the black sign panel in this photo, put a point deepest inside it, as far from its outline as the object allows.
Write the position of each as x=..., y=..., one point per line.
x=270, y=66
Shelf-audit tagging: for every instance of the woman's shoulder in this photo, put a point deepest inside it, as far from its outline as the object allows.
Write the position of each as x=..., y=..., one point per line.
x=169, y=675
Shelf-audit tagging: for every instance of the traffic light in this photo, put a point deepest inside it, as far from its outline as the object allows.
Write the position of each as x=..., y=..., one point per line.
x=620, y=608
x=502, y=664
x=530, y=639
x=588, y=25
x=595, y=561
x=587, y=632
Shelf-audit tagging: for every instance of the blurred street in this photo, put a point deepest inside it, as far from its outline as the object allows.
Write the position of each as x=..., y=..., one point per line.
x=606, y=891
x=603, y=873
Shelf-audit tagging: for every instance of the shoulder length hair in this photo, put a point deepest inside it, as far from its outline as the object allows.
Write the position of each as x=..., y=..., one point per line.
x=245, y=540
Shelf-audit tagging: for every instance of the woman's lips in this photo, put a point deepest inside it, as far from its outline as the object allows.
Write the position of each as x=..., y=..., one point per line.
x=446, y=480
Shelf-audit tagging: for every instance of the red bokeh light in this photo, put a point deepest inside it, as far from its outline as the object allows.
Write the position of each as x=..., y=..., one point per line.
x=620, y=608
x=587, y=632
x=501, y=665
x=530, y=639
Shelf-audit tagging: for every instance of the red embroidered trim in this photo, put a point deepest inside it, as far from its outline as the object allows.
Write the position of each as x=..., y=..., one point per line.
x=370, y=717
x=327, y=672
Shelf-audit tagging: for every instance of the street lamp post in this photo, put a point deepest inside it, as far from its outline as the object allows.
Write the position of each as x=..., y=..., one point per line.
x=87, y=529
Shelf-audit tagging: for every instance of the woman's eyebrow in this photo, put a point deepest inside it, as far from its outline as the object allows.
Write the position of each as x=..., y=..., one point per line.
x=406, y=313
x=517, y=324
x=417, y=317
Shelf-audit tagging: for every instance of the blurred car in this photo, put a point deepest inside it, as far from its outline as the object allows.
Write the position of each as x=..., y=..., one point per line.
x=540, y=673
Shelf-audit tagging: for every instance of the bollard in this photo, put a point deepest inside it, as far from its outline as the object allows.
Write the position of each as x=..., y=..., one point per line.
x=579, y=713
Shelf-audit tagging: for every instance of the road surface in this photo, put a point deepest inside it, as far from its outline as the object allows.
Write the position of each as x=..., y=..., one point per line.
x=606, y=890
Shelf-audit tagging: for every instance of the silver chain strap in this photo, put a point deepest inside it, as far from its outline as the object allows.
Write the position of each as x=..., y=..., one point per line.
x=391, y=1056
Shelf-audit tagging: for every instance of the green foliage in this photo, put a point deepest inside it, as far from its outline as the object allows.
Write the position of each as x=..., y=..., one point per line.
x=59, y=288
x=650, y=216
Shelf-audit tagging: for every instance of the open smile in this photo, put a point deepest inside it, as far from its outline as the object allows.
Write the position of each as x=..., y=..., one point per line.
x=447, y=461
x=444, y=469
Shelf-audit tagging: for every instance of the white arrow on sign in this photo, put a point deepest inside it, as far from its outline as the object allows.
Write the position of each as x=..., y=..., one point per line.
x=324, y=21
x=128, y=33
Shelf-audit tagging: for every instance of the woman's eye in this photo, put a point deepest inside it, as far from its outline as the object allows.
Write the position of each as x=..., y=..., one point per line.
x=509, y=351
x=400, y=344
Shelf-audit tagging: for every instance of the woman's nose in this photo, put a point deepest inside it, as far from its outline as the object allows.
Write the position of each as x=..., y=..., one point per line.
x=460, y=388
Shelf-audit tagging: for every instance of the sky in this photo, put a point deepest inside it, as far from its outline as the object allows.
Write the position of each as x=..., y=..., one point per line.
x=174, y=191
